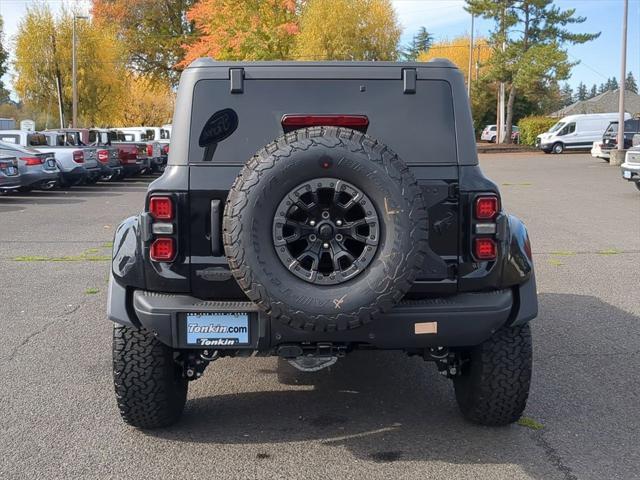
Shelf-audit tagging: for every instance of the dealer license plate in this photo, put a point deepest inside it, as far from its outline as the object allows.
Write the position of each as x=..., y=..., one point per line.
x=217, y=329
x=626, y=174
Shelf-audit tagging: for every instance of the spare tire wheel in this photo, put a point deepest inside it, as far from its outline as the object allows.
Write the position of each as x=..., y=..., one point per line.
x=325, y=228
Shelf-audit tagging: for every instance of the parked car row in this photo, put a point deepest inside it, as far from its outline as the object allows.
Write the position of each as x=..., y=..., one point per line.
x=490, y=132
x=631, y=167
x=609, y=141
x=66, y=157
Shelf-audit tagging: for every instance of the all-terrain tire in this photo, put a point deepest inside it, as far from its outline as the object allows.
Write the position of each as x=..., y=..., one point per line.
x=304, y=155
x=494, y=384
x=150, y=389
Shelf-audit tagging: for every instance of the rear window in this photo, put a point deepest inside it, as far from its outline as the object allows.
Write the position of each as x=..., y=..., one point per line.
x=632, y=125
x=36, y=139
x=420, y=128
x=164, y=134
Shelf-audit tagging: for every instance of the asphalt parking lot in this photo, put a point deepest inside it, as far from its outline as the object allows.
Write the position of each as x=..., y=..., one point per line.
x=372, y=416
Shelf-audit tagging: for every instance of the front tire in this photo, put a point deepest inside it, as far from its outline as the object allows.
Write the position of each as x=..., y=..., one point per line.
x=637, y=184
x=494, y=384
x=150, y=389
x=558, y=148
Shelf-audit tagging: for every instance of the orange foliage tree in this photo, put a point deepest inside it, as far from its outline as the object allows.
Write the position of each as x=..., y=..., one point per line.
x=457, y=51
x=247, y=30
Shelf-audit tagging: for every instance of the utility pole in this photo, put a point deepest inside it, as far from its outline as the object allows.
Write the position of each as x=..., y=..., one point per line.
x=74, y=72
x=470, y=58
x=500, y=117
x=623, y=76
x=58, y=81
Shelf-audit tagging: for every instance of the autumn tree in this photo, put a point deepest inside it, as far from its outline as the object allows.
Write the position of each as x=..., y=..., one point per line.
x=247, y=30
x=457, y=51
x=153, y=32
x=4, y=55
x=421, y=42
x=145, y=101
x=528, y=42
x=348, y=30
x=43, y=61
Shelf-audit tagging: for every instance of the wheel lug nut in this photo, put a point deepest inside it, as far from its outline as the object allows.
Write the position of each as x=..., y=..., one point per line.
x=339, y=223
x=339, y=237
x=312, y=238
x=325, y=214
x=325, y=245
x=312, y=223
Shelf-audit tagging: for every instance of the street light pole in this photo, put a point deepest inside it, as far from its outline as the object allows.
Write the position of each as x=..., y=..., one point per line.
x=74, y=73
x=470, y=58
x=623, y=76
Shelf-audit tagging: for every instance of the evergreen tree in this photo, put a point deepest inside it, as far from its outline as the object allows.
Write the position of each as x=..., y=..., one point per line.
x=566, y=94
x=630, y=83
x=612, y=84
x=421, y=42
x=582, y=92
x=529, y=40
x=603, y=87
x=594, y=91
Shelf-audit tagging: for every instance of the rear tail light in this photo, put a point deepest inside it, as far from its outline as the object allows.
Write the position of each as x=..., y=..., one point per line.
x=165, y=149
x=103, y=156
x=78, y=156
x=293, y=122
x=32, y=161
x=162, y=249
x=486, y=207
x=161, y=208
x=149, y=150
x=485, y=248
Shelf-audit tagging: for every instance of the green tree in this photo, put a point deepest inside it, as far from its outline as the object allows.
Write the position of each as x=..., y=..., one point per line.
x=594, y=91
x=4, y=55
x=566, y=94
x=348, y=30
x=421, y=42
x=528, y=40
x=612, y=84
x=630, y=83
x=43, y=60
x=582, y=93
x=152, y=31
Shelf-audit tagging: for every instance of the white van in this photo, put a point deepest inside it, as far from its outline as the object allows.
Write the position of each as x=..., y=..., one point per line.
x=576, y=132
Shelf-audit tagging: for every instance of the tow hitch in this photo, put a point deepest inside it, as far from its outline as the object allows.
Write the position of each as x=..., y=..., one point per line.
x=312, y=358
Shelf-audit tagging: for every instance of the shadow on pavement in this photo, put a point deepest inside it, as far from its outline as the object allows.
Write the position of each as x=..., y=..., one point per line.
x=385, y=406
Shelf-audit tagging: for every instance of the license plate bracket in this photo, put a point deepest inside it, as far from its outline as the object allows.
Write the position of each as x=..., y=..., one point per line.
x=217, y=329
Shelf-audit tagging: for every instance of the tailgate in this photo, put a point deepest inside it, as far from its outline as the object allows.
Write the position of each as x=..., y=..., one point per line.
x=413, y=116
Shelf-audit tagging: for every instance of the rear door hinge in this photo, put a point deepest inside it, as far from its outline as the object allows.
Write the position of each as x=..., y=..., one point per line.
x=236, y=77
x=409, y=80
x=454, y=190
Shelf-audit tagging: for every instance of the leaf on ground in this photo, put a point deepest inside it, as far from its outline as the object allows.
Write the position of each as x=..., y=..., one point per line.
x=609, y=251
x=92, y=291
x=530, y=423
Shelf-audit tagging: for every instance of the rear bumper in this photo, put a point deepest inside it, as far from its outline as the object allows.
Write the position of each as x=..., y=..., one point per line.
x=453, y=321
x=75, y=176
x=630, y=172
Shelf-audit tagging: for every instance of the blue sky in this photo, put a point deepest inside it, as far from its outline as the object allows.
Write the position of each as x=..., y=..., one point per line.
x=599, y=59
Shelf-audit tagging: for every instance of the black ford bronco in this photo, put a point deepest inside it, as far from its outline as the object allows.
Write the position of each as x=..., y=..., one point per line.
x=311, y=209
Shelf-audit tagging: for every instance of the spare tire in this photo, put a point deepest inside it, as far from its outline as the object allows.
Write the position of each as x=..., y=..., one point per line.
x=325, y=228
